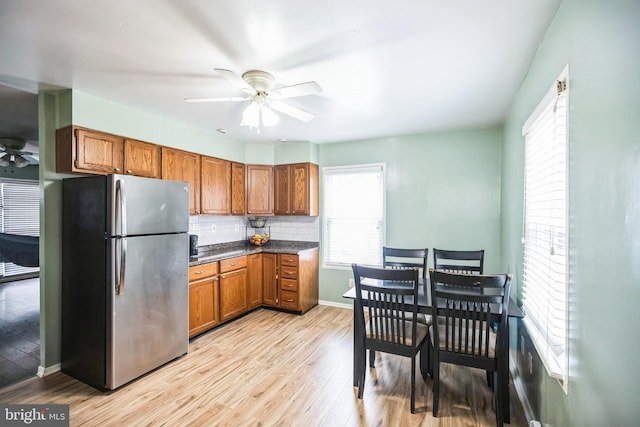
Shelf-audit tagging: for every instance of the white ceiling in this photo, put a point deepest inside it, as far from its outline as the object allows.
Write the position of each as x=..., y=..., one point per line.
x=386, y=67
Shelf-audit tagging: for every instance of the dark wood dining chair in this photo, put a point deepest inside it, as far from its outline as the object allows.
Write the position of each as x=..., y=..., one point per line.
x=468, y=308
x=381, y=305
x=405, y=258
x=467, y=262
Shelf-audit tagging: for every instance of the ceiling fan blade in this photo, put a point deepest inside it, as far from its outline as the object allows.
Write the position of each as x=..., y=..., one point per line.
x=300, y=89
x=222, y=99
x=292, y=111
x=31, y=159
x=236, y=80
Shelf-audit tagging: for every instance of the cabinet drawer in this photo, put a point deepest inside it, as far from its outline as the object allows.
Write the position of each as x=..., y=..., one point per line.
x=203, y=270
x=233, y=264
x=289, y=300
x=288, y=272
x=289, y=260
x=289, y=285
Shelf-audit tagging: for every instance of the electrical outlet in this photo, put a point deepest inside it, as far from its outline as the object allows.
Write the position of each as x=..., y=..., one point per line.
x=352, y=283
x=213, y=228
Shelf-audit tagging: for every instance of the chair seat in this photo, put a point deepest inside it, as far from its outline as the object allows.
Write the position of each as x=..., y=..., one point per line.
x=421, y=332
x=457, y=342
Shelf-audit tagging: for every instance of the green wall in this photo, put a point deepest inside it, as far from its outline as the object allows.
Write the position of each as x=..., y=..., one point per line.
x=100, y=114
x=443, y=191
x=600, y=41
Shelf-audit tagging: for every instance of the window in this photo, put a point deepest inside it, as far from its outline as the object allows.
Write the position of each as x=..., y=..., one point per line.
x=545, y=277
x=353, y=215
x=19, y=214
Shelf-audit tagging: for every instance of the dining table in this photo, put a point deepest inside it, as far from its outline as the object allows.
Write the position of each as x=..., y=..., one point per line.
x=424, y=305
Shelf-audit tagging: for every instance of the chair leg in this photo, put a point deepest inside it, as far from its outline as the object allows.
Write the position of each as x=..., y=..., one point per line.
x=413, y=384
x=436, y=381
x=490, y=379
x=362, y=376
x=425, y=360
x=498, y=394
x=372, y=358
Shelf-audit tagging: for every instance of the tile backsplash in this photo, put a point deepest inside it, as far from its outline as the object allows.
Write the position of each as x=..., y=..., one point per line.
x=213, y=229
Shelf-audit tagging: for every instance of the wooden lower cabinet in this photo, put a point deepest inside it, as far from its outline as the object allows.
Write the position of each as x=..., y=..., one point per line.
x=269, y=280
x=254, y=280
x=204, y=312
x=290, y=281
x=221, y=291
x=233, y=287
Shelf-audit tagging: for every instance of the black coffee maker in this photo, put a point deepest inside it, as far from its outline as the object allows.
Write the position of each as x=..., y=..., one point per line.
x=193, y=244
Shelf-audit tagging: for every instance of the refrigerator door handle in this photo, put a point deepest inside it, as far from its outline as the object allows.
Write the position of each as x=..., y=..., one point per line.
x=121, y=206
x=123, y=262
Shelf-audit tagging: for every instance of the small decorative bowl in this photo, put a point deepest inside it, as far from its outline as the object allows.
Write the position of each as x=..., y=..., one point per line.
x=257, y=222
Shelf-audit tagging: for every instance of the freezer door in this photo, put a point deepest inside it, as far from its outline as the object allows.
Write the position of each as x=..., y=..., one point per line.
x=149, y=319
x=143, y=206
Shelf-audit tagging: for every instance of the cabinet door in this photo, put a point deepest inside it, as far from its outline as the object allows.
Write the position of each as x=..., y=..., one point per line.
x=178, y=165
x=98, y=152
x=259, y=190
x=238, y=189
x=304, y=189
x=233, y=294
x=203, y=305
x=141, y=158
x=254, y=280
x=282, y=190
x=269, y=280
x=215, y=186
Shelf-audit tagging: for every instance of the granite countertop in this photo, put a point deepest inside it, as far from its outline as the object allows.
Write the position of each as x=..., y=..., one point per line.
x=212, y=253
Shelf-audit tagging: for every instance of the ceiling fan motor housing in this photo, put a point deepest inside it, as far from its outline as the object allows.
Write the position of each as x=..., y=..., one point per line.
x=261, y=81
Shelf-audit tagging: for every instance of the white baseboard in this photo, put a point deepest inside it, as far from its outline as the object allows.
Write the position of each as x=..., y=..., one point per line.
x=43, y=372
x=336, y=304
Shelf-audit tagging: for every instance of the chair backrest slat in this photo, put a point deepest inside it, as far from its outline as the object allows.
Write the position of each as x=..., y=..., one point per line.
x=464, y=262
x=405, y=258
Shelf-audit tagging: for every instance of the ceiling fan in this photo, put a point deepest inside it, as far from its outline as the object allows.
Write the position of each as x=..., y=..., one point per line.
x=259, y=89
x=11, y=153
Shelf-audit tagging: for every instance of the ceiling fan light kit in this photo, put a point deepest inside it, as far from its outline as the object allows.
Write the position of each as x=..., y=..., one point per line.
x=259, y=86
x=12, y=154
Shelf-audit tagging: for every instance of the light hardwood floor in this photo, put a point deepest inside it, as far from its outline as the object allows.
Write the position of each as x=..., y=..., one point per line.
x=272, y=368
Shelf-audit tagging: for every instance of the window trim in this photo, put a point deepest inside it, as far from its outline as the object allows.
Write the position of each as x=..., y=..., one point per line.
x=556, y=366
x=350, y=168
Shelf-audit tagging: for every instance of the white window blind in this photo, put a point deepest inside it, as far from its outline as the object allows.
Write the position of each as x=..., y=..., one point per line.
x=19, y=214
x=353, y=215
x=545, y=277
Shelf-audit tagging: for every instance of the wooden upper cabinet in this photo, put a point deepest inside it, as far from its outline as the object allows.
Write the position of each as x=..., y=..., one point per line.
x=282, y=187
x=259, y=189
x=215, y=186
x=296, y=189
x=238, y=198
x=183, y=166
x=88, y=151
x=304, y=189
x=141, y=158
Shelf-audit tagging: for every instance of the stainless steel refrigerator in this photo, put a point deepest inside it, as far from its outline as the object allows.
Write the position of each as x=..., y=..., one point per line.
x=125, y=289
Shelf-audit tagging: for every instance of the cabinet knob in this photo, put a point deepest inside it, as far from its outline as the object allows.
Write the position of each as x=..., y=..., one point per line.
x=116, y=170
x=129, y=171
